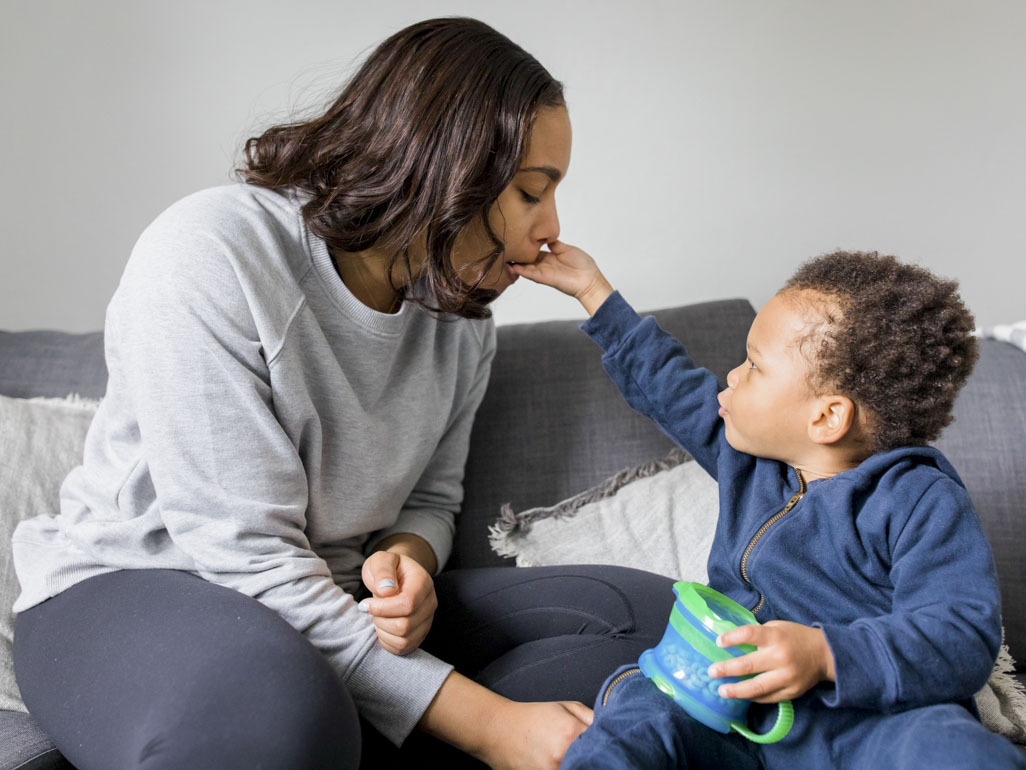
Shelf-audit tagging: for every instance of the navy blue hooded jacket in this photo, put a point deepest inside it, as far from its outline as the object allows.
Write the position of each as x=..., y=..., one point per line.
x=888, y=558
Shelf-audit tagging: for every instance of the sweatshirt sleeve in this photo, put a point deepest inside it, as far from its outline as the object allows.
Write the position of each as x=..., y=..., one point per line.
x=430, y=510
x=659, y=380
x=941, y=639
x=231, y=488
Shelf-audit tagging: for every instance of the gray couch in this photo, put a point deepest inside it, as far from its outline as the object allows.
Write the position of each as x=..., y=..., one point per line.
x=552, y=425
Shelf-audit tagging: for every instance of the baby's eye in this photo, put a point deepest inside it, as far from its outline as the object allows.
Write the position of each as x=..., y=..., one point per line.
x=751, y=364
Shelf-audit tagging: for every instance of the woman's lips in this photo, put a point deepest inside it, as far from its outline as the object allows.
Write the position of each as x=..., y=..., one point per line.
x=509, y=271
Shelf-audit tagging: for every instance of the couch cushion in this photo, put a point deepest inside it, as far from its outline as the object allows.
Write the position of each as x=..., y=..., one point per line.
x=986, y=444
x=553, y=424
x=52, y=364
x=24, y=746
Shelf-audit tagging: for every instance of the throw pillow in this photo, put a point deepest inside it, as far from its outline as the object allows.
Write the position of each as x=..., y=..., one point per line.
x=41, y=440
x=661, y=517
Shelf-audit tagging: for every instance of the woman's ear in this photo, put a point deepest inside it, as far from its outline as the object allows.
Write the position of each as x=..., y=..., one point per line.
x=832, y=419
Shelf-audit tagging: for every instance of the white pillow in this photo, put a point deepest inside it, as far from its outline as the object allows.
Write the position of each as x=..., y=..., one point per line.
x=659, y=517
x=41, y=440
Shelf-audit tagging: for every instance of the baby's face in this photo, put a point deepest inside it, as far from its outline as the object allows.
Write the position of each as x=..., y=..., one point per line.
x=767, y=403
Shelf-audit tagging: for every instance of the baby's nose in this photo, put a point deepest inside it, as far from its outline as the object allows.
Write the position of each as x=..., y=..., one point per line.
x=732, y=376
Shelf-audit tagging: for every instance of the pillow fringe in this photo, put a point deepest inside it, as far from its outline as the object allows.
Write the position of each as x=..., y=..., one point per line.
x=72, y=399
x=1002, y=701
x=509, y=526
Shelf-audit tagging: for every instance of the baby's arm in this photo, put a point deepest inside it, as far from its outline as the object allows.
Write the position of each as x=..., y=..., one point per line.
x=939, y=640
x=648, y=365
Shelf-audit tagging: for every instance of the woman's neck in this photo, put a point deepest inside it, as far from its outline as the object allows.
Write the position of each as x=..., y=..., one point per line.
x=365, y=274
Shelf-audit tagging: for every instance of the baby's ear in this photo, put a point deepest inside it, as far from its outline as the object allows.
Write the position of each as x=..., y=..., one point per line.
x=832, y=418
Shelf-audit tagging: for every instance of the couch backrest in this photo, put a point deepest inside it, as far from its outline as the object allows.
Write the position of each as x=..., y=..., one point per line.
x=987, y=445
x=52, y=364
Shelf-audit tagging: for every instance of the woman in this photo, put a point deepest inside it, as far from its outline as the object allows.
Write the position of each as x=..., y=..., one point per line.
x=294, y=365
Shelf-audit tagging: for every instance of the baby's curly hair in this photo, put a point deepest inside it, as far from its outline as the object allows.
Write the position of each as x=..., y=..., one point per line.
x=894, y=338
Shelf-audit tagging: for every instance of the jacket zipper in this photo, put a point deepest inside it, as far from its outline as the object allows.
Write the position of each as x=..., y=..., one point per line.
x=615, y=682
x=762, y=531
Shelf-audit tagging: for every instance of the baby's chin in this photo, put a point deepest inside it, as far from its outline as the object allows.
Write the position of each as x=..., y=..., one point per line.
x=736, y=443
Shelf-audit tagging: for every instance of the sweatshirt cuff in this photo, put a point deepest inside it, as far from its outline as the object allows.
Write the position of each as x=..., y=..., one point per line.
x=392, y=692
x=435, y=527
x=863, y=678
x=613, y=320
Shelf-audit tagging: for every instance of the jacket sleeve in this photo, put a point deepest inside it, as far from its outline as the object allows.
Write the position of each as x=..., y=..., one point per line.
x=941, y=639
x=230, y=485
x=430, y=510
x=659, y=380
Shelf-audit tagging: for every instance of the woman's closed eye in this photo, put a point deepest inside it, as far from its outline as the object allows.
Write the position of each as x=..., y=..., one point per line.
x=528, y=198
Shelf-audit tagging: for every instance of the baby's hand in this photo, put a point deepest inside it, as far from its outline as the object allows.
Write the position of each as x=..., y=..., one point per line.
x=571, y=271
x=791, y=659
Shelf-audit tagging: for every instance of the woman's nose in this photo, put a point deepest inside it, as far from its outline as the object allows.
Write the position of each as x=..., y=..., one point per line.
x=548, y=227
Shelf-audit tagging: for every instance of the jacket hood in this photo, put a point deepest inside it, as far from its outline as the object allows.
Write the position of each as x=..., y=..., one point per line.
x=869, y=471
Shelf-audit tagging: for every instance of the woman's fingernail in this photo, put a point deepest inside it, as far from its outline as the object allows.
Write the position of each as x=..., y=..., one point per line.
x=362, y=606
x=386, y=583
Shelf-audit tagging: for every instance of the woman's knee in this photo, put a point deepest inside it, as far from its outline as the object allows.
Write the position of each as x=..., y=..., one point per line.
x=191, y=676
x=255, y=707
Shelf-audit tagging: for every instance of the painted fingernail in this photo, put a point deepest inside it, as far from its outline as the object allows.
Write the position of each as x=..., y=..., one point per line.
x=362, y=606
x=386, y=583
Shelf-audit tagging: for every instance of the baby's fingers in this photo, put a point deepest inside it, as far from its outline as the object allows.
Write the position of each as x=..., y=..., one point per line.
x=745, y=665
x=764, y=688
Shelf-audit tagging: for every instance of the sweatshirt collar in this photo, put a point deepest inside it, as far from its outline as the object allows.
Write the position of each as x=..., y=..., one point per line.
x=389, y=324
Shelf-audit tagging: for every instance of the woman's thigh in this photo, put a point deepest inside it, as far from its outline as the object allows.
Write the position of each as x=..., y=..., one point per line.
x=158, y=668
x=533, y=634
x=547, y=633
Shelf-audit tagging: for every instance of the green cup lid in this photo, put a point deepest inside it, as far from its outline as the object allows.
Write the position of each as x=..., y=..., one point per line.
x=716, y=612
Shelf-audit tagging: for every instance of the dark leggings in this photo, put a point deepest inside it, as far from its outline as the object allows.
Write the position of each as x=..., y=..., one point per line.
x=161, y=669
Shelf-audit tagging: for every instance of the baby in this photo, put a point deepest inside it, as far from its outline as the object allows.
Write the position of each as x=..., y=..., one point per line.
x=853, y=542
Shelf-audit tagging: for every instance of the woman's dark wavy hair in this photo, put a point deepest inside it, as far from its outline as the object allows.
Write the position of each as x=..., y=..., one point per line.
x=420, y=142
x=895, y=339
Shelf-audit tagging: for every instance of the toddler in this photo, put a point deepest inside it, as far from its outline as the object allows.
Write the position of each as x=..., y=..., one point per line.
x=853, y=542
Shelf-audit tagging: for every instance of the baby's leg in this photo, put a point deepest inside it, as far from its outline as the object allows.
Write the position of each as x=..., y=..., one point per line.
x=944, y=735
x=636, y=726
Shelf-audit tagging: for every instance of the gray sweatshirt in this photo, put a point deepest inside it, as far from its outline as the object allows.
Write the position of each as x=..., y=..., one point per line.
x=263, y=429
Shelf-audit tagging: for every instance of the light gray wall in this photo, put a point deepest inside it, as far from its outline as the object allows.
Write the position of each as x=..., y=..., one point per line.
x=716, y=145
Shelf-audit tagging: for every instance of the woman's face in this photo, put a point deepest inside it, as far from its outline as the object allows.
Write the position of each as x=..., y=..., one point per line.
x=524, y=215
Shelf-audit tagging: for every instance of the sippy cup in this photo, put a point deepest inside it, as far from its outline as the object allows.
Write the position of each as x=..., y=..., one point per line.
x=677, y=665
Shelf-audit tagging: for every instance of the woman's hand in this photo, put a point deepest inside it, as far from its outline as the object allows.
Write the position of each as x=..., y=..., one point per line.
x=404, y=601
x=536, y=735
x=500, y=732
x=571, y=271
x=791, y=659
